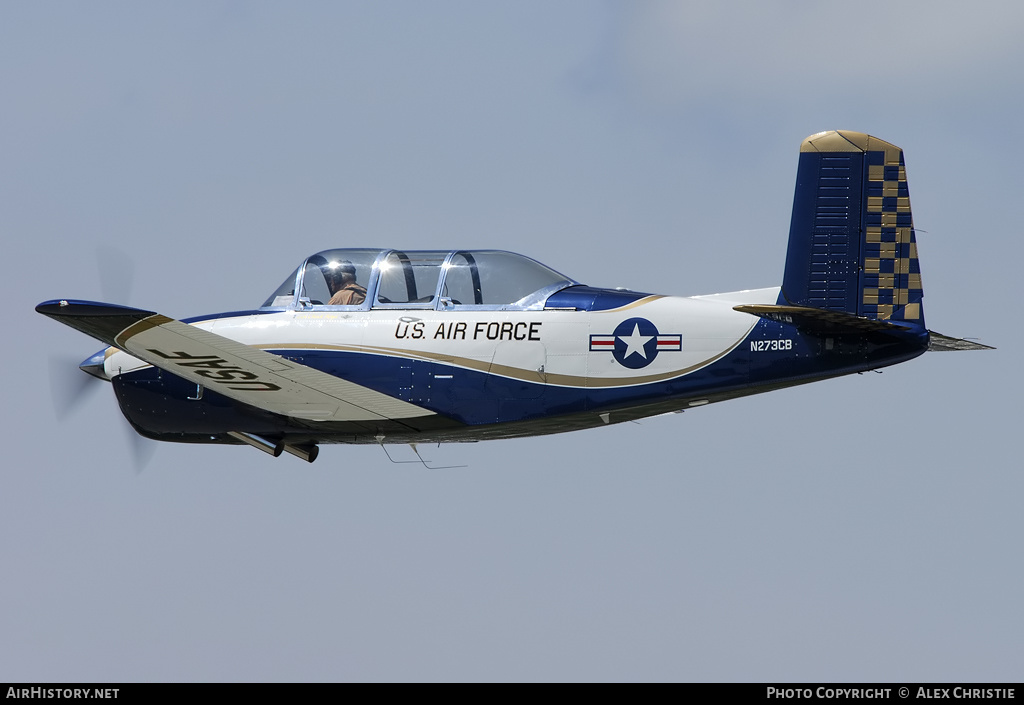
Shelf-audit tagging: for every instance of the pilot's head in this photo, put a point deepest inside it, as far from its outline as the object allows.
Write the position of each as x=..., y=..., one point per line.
x=338, y=273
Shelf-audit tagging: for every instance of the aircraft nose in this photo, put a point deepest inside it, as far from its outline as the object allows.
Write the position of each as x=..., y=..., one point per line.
x=94, y=365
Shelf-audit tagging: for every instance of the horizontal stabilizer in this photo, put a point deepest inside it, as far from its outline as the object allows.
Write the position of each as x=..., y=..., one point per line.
x=238, y=371
x=943, y=343
x=820, y=320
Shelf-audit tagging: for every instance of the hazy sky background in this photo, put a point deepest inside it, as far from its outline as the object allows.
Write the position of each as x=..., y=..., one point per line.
x=866, y=528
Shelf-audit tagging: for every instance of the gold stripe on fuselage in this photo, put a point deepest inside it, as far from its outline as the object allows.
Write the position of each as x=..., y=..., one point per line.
x=488, y=367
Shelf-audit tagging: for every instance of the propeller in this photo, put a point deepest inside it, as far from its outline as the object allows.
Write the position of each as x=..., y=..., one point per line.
x=72, y=383
x=70, y=387
x=142, y=448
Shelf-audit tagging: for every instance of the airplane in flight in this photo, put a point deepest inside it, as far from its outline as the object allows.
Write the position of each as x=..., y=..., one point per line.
x=388, y=346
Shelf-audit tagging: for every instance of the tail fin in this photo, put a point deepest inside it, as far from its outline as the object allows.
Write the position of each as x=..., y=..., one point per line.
x=851, y=241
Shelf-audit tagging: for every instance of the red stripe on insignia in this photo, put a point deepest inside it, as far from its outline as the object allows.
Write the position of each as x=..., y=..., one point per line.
x=670, y=342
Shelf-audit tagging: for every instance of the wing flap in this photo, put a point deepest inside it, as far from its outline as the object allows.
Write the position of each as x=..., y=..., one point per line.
x=236, y=370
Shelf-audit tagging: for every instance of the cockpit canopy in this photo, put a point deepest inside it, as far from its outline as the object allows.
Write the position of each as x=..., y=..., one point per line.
x=424, y=279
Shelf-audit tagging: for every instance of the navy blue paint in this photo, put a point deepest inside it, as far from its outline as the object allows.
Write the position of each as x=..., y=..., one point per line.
x=588, y=298
x=80, y=308
x=98, y=320
x=231, y=314
x=825, y=234
x=157, y=400
x=635, y=361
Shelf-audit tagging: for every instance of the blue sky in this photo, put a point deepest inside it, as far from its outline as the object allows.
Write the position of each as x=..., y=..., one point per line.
x=865, y=528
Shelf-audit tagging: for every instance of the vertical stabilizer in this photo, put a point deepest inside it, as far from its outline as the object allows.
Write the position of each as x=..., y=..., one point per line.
x=851, y=240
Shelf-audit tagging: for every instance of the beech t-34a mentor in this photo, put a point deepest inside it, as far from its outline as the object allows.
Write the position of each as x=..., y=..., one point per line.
x=386, y=346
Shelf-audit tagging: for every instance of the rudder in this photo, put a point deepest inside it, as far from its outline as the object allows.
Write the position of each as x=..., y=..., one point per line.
x=851, y=241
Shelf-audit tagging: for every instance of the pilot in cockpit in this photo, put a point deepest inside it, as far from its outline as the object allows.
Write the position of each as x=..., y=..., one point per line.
x=341, y=279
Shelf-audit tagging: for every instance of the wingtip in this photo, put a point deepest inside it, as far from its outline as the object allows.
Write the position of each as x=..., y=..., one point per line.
x=99, y=320
x=78, y=308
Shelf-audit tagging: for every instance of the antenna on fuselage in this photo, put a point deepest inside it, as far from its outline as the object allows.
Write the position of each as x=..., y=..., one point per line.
x=380, y=441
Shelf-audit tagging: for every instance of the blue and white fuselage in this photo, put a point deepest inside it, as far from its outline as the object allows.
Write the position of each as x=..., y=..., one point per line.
x=375, y=346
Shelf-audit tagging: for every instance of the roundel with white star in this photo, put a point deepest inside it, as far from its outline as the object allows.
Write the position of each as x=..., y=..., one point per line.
x=636, y=342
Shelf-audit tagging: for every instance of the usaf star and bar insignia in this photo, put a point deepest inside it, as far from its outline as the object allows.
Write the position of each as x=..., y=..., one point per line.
x=636, y=342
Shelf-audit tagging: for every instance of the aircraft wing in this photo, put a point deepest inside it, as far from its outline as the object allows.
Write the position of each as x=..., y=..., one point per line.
x=238, y=371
